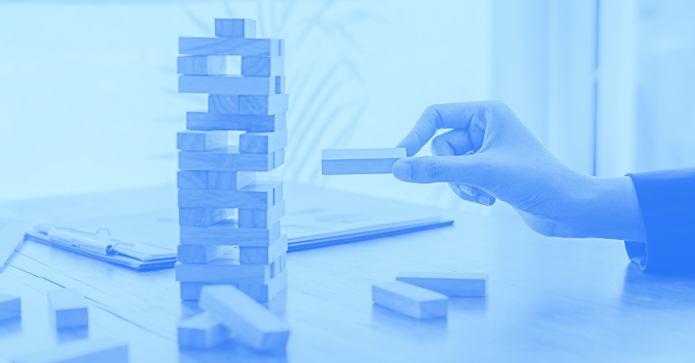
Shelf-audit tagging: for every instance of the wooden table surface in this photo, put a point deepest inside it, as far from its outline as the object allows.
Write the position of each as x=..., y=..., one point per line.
x=550, y=300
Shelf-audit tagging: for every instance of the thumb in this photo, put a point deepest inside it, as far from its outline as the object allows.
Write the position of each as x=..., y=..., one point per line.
x=433, y=169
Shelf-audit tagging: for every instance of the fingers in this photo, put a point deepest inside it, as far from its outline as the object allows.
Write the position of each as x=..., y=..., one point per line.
x=482, y=198
x=445, y=116
x=469, y=169
x=451, y=143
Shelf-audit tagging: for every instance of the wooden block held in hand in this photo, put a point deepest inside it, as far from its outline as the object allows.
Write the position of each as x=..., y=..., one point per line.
x=360, y=161
x=201, y=120
x=262, y=143
x=67, y=308
x=202, y=65
x=235, y=28
x=205, y=254
x=262, y=66
x=264, y=105
x=10, y=306
x=255, y=325
x=201, y=140
x=260, y=255
x=104, y=350
x=201, y=217
x=232, y=85
x=263, y=217
x=245, y=47
x=201, y=331
x=410, y=300
x=448, y=283
x=227, y=232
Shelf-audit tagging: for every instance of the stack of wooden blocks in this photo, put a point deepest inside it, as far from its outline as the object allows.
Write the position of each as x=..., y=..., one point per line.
x=217, y=181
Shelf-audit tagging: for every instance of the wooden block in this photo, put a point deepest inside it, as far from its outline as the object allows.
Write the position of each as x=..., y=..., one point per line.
x=256, y=255
x=222, y=270
x=360, y=161
x=200, y=217
x=235, y=28
x=232, y=85
x=226, y=158
x=201, y=140
x=410, y=300
x=205, y=254
x=67, y=308
x=245, y=47
x=262, y=66
x=200, y=120
x=264, y=105
x=257, y=291
x=105, y=350
x=227, y=232
x=229, y=180
x=10, y=306
x=253, y=324
x=201, y=331
x=226, y=104
x=202, y=65
x=261, y=218
x=262, y=143
x=254, y=196
x=278, y=158
x=448, y=283
x=278, y=266
x=191, y=179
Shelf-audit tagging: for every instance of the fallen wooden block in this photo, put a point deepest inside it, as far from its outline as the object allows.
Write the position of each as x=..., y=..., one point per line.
x=262, y=66
x=410, y=300
x=263, y=217
x=222, y=270
x=201, y=331
x=227, y=232
x=232, y=85
x=191, y=179
x=235, y=28
x=226, y=158
x=253, y=324
x=202, y=65
x=201, y=120
x=200, y=217
x=10, y=306
x=257, y=291
x=360, y=161
x=264, y=105
x=201, y=140
x=205, y=254
x=267, y=255
x=105, y=350
x=262, y=143
x=67, y=308
x=245, y=47
x=225, y=104
x=256, y=195
x=448, y=283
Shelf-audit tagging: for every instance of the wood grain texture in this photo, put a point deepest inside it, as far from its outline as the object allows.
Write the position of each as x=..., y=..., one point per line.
x=201, y=120
x=227, y=232
x=262, y=66
x=222, y=270
x=448, y=283
x=191, y=179
x=262, y=217
x=257, y=291
x=201, y=331
x=201, y=217
x=190, y=140
x=263, y=105
x=231, y=46
x=254, y=196
x=410, y=300
x=360, y=161
x=226, y=158
x=67, y=308
x=256, y=255
x=232, y=85
x=224, y=104
x=205, y=253
x=229, y=180
x=202, y=65
x=262, y=143
x=235, y=28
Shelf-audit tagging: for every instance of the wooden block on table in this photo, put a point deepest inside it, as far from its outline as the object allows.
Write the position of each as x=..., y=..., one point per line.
x=257, y=291
x=245, y=47
x=263, y=142
x=201, y=120
x=10, y=306
x=259, y=194
x=448, y=283
x=227, y=232
x=229, y=180
x=191, y=179
x=202, y=65
x=222, y=270
x=261, y=255
x=225, y=104
x=205, y=254
x=410, y=300
x=105, y=350
x=360, y=161
x=201, y=217
x=67, y=308
x=263, y=217
x=201, y=331
x=232, y=85
x=254, y=324
x=262, y=66
x=264, y=105
x=235, y=28
x=201, y=140
x=226, y=158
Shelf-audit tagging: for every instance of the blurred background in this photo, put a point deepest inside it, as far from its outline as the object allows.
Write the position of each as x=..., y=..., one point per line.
x=89, y=102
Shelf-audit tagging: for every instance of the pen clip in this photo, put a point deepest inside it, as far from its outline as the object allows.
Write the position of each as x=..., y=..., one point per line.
x=99, y=242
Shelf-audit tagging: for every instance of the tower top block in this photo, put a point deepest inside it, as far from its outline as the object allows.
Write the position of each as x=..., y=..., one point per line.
x=235, y=28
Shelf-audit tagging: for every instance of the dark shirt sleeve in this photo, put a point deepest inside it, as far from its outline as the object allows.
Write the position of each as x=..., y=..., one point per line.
x=667, y=201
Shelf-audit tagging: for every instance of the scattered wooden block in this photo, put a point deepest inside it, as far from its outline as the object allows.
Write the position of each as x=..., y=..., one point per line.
x=67, y=308
x=360, y=161
x=202, y=65
x=410, y=300
x=254, y=324
x=255, y=196
x=262, y=66
x=191, y=179
x=262, y=143
x=200, y=217
x=264, y=105
x=232, y=85
x=225, y=104
x=201, y=331
x=227, y=232
x=229, y=180
x=105, y=350
x=245, y=47
x=205, y=254
x=257, y=291
x=226, y=158
x=10, y=306
x=201, y=140
x=261, y=218
x=200, y=120
x=235, y=28
x=448, y=283
x=260, y=255
x=222, y=270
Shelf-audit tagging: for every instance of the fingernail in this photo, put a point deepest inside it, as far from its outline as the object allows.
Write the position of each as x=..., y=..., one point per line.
x=401, y=171
x=483, y=199
x=474, y=191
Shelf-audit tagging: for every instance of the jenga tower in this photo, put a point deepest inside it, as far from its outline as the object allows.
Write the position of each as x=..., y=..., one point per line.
x=217, y=181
